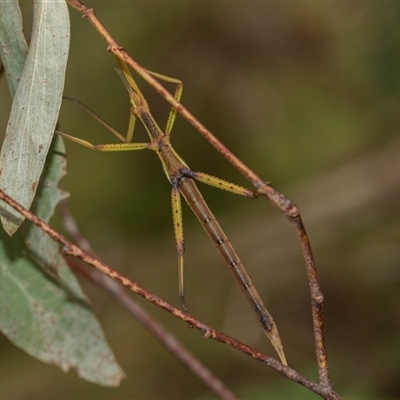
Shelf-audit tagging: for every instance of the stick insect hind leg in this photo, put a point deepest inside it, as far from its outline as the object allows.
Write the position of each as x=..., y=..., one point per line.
x=182, y=180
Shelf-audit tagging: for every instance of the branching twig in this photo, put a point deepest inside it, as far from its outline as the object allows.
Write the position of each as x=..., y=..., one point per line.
x=280, y=201
x=207, y=331
x=154, y=327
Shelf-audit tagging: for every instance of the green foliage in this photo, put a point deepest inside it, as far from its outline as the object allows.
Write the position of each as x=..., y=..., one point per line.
x=42, y=307
x=36, y=103
x=13, y=47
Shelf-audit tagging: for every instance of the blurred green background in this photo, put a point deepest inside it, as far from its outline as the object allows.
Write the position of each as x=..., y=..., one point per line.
x=306, y=94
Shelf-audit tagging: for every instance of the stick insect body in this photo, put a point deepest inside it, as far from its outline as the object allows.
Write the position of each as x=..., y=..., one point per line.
x=182, y=180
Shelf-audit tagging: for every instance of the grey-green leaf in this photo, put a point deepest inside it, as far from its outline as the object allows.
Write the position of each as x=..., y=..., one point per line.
x=35, y=108
x=42, y=307
x=13, y=47
x=42, y=317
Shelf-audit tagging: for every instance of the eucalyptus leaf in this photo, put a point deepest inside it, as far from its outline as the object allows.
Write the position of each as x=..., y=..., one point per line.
x=42, y=307
x=35, y=108
x=13, y=47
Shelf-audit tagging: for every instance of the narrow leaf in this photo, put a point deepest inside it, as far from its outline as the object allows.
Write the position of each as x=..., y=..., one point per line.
x=13, y=48
x=35, y=108
x=42, y=307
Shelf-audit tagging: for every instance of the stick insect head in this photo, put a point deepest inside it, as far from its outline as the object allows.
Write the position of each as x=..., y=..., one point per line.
x=135, y=95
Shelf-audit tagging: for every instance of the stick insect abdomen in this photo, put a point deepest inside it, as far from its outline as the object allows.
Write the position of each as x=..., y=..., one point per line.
x=198, y=205
x=196, y=202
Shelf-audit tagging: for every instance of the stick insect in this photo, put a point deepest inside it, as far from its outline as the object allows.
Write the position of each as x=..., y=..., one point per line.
x=182, y=179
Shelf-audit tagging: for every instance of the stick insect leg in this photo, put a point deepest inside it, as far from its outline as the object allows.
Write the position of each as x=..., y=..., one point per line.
x=179, y=241
x=115, y=147
x=177, y=95
x=134, y=86
x=224, y=185
x=97, y=118
x=107, y=146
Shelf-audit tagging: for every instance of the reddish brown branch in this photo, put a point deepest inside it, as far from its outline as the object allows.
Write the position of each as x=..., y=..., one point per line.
x=207, y=331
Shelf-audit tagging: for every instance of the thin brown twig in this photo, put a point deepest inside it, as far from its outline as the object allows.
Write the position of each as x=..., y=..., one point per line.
x=208, y=332
x=290, y=210
x=169, y=341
